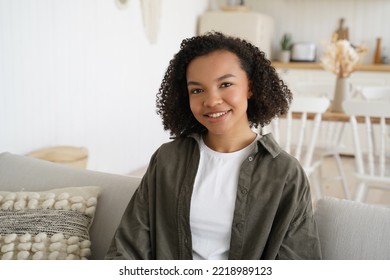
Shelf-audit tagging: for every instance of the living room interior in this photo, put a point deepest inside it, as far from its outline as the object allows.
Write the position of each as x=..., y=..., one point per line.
x=85, y=74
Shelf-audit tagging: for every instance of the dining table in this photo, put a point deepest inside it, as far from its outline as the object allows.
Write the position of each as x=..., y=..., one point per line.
x=338, y=121
x=338, y=117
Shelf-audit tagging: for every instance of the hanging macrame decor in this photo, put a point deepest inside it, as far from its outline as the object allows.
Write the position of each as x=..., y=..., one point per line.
x=151, y=18
x=122, y=4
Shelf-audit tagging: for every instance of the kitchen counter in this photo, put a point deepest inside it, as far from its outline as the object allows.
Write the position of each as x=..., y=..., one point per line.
x=317, y=66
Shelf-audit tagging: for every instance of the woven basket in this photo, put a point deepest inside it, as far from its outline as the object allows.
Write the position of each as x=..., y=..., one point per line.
x=67, y=155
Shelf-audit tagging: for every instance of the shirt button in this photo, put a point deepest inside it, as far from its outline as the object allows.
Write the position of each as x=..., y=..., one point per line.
x=250, y=158
x=240, y=227
x=244, y=191
x=186, y=241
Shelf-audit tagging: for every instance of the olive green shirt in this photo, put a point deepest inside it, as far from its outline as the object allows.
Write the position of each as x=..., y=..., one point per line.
x=273, y=216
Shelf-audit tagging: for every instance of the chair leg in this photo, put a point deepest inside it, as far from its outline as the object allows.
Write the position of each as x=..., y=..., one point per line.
x=343, y=179
x=361, y=192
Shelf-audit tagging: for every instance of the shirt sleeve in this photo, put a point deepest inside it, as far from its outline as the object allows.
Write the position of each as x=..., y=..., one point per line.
x=132, y=238
x=301, y=241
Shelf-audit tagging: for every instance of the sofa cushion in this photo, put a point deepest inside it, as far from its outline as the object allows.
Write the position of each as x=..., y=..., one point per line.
x=29, y=174
x=352, y=230
x=52, y=224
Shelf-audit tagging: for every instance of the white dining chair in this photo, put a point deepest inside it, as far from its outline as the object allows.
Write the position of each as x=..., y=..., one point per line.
x=378, y=93
x=372, y=147
x=297, y=134
x=329, y=144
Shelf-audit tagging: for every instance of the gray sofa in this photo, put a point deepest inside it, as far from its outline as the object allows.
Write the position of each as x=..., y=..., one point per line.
x=348, y=230
x=29, y=174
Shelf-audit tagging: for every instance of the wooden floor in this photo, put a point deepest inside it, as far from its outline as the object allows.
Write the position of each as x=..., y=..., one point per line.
x=334, y=188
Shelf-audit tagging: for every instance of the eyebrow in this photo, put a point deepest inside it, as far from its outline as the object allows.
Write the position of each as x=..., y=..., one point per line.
x=217, y=79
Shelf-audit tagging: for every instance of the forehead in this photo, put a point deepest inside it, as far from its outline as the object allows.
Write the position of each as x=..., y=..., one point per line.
x=215, y=61
x=217, y=55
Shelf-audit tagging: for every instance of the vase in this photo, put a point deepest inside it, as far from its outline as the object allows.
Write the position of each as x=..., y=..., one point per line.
x=341, y=93
x=284, y=56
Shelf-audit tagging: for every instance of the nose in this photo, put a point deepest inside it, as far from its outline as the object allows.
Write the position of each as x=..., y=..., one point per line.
x=212, y=99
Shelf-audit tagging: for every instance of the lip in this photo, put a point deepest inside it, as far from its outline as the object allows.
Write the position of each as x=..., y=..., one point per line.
x=220, y=115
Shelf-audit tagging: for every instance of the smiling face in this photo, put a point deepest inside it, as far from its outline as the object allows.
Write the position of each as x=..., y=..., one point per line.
x=218, y=91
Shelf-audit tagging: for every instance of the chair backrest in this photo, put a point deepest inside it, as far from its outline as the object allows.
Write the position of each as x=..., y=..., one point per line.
x=297, y=131
x=371, y=147
x=376, y=93
x=329, y=137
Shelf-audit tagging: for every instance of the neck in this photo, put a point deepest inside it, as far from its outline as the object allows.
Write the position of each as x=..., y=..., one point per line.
x=225, y=144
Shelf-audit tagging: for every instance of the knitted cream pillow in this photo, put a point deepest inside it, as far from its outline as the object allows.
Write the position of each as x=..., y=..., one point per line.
x=47, y=225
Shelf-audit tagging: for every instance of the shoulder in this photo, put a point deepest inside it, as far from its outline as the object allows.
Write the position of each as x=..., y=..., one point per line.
x=177, y=150
x=178, y=145
x=177, y=157
x=279, y=163
x=275, y=154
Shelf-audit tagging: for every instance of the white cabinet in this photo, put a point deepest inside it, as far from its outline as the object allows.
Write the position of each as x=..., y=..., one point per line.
x=365, y=78
x=255, y=27
x=308, y=82
x=321, y=82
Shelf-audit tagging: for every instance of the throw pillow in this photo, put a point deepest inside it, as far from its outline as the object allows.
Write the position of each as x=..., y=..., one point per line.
x=50, y=224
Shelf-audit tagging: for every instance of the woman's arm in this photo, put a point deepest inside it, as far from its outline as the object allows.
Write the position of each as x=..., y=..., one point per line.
x=132, y=239
x=301, y=240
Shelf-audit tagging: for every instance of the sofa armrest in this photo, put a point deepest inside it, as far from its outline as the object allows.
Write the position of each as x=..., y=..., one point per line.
x=352, y=230
x=24, y=173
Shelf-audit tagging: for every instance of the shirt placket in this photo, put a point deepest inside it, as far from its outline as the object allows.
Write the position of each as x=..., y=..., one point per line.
x=183, y=209
x=239, y=216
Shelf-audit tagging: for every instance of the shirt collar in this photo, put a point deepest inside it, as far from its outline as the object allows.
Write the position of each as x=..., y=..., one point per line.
x=269, y=143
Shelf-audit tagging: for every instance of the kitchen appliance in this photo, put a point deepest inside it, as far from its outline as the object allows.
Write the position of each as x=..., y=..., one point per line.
x=303, y=52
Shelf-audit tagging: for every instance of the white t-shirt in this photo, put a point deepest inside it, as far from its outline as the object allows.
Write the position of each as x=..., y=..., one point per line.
x=213, y=200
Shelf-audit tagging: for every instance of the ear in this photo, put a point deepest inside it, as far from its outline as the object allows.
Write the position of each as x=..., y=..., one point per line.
x=250, y=93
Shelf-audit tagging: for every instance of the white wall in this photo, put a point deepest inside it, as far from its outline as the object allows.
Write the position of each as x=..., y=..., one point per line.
x=83, y=73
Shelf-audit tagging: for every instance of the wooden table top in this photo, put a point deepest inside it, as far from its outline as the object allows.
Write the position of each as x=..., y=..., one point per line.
x=338, y=117
x=317, y=66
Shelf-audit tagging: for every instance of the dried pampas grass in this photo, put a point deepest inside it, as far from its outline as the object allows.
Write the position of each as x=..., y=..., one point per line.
x=341, y=58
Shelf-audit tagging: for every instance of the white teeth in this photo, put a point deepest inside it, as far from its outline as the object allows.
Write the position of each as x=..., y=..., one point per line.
x=216, y=115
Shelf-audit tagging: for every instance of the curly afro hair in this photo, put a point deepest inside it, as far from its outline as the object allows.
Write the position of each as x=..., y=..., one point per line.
x=270, y=96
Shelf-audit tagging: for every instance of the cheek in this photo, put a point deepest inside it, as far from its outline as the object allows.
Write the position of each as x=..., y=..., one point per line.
x=194, y=104
x=238, y=99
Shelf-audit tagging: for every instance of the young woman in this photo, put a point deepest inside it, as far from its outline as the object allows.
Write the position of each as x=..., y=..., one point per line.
x=219, y=190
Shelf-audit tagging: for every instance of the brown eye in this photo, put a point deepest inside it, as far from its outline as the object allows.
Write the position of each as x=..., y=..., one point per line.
x=196, y=91
x=223, y=85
